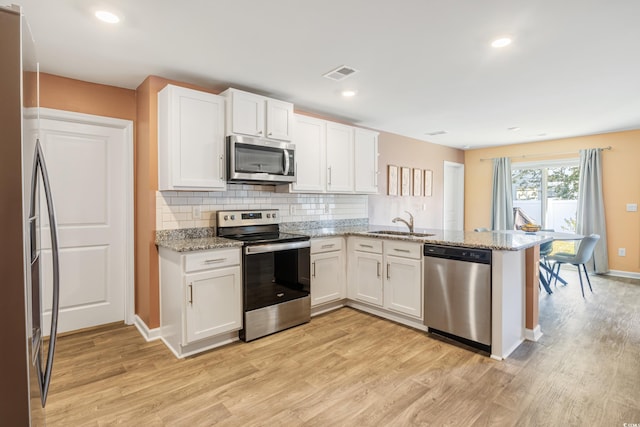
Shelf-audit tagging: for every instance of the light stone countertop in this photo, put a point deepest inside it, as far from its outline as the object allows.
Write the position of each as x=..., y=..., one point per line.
x=186, y=240
x=494, y=240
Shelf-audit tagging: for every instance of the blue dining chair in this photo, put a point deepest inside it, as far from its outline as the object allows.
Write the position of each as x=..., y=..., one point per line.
x=545, y=268
x=584, y=254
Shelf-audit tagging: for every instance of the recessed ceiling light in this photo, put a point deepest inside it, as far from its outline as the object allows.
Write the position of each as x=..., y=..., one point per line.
x=501, y=42
x=514, y=128
x=349, y=93
x=108, y=17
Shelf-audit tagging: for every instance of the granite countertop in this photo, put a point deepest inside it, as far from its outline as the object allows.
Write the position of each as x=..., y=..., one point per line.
x=495, y=240
x=193, y=239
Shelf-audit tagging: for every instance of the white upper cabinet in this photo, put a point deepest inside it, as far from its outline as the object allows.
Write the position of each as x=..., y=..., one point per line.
x=256, y=115
x=334, y=158
x=279, y=120
x=190, y=140
x=340, y=158
x=366, y=161
x=310, y=141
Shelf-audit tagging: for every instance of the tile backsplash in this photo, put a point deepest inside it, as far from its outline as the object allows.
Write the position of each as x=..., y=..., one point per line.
x=175, y=209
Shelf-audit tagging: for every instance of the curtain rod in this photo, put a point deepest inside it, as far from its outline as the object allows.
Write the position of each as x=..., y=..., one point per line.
x=526, y=156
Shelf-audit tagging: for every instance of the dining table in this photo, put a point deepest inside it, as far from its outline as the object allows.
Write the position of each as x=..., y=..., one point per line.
x=555, y=235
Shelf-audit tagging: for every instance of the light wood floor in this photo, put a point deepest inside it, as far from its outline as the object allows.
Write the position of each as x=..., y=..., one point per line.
x=348, y=368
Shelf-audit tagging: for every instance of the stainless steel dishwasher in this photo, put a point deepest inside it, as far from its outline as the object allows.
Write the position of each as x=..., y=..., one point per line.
x=457, y=293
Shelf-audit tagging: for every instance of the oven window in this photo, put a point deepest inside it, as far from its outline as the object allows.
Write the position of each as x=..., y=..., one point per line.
x=275, y=277
x=257, y=159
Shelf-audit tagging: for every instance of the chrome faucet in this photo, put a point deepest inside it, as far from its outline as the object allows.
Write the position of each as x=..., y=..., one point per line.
x=408, y=224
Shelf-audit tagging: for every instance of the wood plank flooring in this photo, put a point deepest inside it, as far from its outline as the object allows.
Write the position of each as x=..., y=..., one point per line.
x=349, y=368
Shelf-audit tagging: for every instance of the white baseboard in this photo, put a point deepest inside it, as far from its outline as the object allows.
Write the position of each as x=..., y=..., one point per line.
x=147, y=334
x=533, y=334
x=627, y=274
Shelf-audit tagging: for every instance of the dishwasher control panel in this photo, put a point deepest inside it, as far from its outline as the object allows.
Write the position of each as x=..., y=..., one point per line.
x=482, y=256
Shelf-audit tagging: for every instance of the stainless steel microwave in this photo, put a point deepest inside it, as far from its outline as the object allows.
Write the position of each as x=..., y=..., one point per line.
x=258, y=160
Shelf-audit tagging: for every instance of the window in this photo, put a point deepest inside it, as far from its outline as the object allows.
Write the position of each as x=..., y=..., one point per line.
x=547, y=192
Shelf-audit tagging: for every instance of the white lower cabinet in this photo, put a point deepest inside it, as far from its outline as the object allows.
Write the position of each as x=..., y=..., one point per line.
x=327, y=270
x=387, y=274
x=365, y=270
x=200, y=299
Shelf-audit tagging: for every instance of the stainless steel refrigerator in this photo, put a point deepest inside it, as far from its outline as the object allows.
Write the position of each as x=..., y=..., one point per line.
x=26, y=358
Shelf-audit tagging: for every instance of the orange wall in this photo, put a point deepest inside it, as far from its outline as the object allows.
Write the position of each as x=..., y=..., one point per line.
x=408, y=152
x=147, y=289
x=66, y=94
x=621, y=185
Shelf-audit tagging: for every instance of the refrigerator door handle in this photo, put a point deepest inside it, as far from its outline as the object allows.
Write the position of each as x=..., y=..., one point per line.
x=39, y=164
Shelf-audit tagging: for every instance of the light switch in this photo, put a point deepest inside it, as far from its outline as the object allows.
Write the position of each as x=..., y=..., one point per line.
x=632, y=207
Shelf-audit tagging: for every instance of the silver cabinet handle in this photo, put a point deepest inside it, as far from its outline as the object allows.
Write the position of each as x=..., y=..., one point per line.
x=221, y=160
x=366, y=246
x=270, y=133
x=191, y=293
x=313, y=269
x=402, y=250
x=378, y=269
x=329, y=178
x=388, y=276
x=328, y=246
x=213, y=261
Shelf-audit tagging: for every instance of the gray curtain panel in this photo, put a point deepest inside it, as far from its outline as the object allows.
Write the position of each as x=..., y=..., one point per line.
x=502, y=205
x=590, y=218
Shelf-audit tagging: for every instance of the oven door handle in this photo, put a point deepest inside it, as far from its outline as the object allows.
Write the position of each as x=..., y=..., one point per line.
x=274, y=247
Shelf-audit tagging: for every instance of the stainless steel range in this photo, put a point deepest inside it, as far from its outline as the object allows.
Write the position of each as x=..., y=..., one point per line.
x=275, y=271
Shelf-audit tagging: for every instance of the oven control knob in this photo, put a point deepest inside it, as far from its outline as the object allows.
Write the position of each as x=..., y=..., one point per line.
x=273, y=215
x=233, y=217
x=226, y=217
x=268, y=215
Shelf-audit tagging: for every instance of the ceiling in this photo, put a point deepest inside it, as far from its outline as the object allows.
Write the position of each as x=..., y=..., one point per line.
x=424, y=65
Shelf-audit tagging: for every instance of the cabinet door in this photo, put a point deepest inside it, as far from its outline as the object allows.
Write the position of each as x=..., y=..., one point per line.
x=279, y=120
x=367, y=277
x=213, y=303
x=310, y=140
x=403, y=285
x=339, y=158
x=327, y=277
x=190, y=140
x=247, y=113
x=366, y=161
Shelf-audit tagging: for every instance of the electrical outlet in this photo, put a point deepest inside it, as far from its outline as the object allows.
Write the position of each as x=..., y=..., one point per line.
x=622, y=252
x=292, y=209
x=632, y=207
x=197, y=212
x=326, y=208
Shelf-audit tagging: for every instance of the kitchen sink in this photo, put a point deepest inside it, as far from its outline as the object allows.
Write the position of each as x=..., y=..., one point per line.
x=401, y=233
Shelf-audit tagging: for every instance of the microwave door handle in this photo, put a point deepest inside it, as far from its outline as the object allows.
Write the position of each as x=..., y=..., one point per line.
x=286, y=162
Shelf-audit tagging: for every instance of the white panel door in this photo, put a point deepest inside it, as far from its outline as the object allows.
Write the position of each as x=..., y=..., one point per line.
x=367, y=277
x=366, y=161
x=327, y=282
x=453, y=203
x=279, y=120
x=87, y=169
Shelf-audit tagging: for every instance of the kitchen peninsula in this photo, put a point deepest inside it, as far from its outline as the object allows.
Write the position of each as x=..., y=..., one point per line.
x=514, y=289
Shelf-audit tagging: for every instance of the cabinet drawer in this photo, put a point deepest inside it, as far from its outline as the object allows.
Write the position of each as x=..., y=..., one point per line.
x=326, y=245
x=367, y=245
x=403, y=249
x=208, y=260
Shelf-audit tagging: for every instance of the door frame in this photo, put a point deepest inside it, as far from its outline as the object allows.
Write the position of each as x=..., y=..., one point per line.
x=127, y=127
x=459, y=168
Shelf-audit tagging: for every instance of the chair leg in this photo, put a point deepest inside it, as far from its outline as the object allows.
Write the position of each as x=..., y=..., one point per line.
x=580, y=276
x=557, y=273
x=586, y=274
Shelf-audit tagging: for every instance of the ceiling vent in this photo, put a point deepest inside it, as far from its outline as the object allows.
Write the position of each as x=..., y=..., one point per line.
x=436, y=133
x=340, y=73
